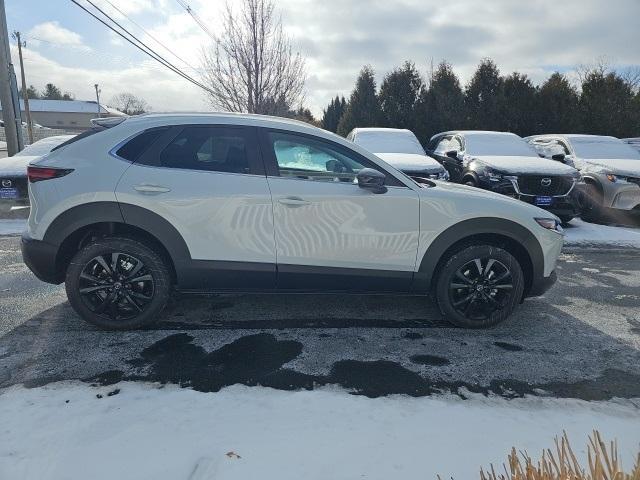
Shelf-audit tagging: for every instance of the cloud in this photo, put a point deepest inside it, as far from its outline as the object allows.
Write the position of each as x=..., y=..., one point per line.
x=161, y=88
x=338, y=37
x=52, y=32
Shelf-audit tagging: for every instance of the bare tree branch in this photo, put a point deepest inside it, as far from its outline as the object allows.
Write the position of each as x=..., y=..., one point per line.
x=130, y=104
x=252, y=66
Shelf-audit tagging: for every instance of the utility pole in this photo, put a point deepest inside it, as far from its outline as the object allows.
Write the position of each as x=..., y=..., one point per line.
x=25, y=95
x=8, y=95
x=98, y=98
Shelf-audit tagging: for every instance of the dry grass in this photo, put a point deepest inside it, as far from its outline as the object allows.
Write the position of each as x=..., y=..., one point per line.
x=563, y=465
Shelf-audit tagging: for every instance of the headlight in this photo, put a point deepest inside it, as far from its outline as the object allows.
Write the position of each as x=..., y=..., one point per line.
x=550, y=224
x=491, y=175
x=611, y=177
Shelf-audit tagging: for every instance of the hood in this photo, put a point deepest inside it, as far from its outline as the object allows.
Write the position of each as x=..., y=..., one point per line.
x=619, y=166
x=16, y=166
x=526, y=165
x=411, y=162
x=468, y=200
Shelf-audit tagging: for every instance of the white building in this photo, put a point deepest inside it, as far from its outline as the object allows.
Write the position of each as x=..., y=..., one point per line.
x=69, y=115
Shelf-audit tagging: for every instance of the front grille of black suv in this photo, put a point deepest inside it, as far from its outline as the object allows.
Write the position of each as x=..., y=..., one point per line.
x=546, y=185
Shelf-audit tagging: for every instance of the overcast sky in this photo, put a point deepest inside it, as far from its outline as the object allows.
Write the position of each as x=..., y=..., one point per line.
x=67, y=47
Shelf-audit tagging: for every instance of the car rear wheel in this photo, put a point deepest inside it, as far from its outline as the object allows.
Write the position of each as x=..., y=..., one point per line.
x=479, y=286
x=118, y=284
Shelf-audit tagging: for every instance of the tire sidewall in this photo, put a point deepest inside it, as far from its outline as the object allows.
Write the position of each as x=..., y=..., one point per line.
x=154, y=264
x=464, y=256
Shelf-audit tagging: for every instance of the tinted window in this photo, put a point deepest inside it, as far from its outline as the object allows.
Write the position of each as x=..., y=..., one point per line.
x=139, y=144
x=207, y=148
x=443, y=145
x=310, y=159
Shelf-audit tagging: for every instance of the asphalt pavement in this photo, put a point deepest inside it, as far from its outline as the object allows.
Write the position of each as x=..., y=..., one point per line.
x=581, y=340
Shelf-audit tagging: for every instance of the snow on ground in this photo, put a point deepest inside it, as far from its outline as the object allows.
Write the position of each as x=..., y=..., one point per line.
x=12, y=226
x=144, y=432
x=583, y=233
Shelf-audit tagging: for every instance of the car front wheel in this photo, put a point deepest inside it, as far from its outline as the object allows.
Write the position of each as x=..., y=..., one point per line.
x=118, y=284
x=479, y=286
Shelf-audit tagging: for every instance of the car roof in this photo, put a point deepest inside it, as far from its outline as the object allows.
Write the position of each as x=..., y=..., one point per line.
x=380, y=130
x=474, y=132
x=246, y=119
x=572, y=135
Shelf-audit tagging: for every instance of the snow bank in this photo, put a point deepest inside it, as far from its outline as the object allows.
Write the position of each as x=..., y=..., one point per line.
x=583, y=233
x=143, y=432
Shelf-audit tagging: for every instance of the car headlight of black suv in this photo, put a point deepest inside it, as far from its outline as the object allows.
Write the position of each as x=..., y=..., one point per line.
x=488, y=173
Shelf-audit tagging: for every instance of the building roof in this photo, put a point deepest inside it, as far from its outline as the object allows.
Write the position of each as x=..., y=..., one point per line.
x=69, y=106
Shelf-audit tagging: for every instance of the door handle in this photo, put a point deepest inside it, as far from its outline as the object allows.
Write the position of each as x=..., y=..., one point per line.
x=293, y=201
x=148, y=188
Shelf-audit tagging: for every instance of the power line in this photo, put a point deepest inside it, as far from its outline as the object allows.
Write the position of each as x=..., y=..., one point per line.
x=148, y=49
x=196, y=18
x=139, y=45
x=149, y=34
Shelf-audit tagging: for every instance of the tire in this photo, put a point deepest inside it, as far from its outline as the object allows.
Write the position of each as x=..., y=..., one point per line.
x=480, y=301
x=470, y=181
x=109, y=301
x=592, y=209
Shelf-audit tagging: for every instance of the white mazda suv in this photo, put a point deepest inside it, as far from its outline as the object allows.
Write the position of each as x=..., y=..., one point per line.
x=137, y=208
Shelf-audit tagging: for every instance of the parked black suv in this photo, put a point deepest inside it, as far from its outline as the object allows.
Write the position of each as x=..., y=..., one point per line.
x=505, y=163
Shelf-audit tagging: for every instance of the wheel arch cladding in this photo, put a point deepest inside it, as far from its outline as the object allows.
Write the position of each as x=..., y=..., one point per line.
x=68, y=229
x=518, y=240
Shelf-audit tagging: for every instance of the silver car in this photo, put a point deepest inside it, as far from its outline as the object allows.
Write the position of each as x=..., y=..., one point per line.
x=609, y=166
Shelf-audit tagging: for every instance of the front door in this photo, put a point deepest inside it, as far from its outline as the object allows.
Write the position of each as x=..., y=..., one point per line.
x=330, y=233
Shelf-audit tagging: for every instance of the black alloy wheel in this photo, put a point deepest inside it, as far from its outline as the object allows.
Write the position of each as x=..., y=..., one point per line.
x=118, y=286
x=479, y=286
x=118, y=283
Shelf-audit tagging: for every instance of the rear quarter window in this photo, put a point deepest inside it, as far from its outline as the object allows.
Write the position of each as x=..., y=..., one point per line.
x=135, y=147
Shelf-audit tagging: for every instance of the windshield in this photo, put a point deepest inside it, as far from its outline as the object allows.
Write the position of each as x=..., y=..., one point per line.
x=389, y=142
x=42, y=147
x=500, y=145
x=602, y=148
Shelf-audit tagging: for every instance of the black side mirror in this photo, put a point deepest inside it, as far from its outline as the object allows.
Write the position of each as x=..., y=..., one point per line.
x=559, y=157
x=452, y=154
x=371, y=180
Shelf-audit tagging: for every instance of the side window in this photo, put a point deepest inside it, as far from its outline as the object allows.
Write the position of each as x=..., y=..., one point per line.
x=562, y=147
x=309, y=159
x=455, y=144
x=213, y=149
x=443, y=146
x=134, y=148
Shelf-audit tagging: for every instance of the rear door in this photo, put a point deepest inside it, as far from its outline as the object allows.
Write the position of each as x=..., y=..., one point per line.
x=208, y=182
x=330, y=233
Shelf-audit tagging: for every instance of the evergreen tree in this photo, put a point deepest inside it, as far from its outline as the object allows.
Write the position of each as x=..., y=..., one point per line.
x=441, y=106
x=332, y=114
x=363, y=109
x=482, y=98
x=519, y=105
x=558, y=110
x=51, y=92
x=31, y=92
x=606, y=105
x=399, y=96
